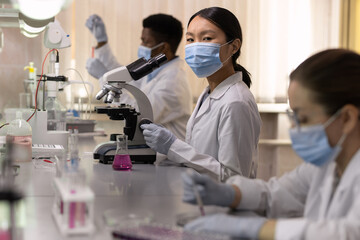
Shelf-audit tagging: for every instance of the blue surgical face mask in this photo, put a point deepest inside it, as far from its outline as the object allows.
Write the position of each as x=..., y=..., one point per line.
x=204, y=58
x=312, y=145
x=145, y=52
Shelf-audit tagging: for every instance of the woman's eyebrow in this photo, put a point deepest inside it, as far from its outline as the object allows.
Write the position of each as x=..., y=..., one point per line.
x=201, y=33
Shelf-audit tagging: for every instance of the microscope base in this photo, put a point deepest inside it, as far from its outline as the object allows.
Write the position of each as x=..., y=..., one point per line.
x=139, y=154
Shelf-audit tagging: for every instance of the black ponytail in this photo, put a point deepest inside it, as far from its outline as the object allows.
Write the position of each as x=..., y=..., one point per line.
x=227, y=22
x=245, y=74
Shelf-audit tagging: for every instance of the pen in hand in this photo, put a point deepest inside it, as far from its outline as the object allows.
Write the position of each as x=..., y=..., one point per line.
x=199, y=201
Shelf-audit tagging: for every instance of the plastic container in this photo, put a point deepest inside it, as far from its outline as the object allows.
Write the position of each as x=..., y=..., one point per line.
x=73, y=208
x=21, y=134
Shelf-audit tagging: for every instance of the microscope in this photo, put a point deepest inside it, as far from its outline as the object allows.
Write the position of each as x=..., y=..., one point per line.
x=116, y=80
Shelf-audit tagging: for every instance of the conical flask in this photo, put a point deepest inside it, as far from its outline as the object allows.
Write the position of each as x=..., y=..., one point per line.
x=122, y=159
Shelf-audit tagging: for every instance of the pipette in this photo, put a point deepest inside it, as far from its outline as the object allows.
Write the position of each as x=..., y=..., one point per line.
x=199, y=201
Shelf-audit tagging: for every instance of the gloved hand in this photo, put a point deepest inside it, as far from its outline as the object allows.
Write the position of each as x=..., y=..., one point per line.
x=236, y=227
x=158, y=138
x=97, y=27
x=95, y=67
x=211, y=192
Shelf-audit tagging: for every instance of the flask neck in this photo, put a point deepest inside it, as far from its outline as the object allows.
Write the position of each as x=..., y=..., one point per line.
x=121, y=145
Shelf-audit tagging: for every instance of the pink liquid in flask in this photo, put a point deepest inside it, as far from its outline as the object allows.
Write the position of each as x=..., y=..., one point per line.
x=122, y=162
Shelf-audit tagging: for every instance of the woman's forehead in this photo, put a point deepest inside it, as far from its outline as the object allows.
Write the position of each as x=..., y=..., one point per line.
x=300, y=97
x=200, y=23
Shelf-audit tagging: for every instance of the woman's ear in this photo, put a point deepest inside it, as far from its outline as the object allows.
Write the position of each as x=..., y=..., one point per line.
x=236, y=45
x=350, y=118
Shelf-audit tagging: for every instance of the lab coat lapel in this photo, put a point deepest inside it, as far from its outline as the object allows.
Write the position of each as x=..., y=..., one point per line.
x=349, y=178
x=325, y=190
x=193, y=116
x=198, y=111
x=203, y=108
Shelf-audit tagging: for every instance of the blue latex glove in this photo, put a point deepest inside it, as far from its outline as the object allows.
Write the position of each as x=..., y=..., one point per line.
x=211, y=192
x=97, y=27
x=236, y=227
x=95, y=67
x=158, y=138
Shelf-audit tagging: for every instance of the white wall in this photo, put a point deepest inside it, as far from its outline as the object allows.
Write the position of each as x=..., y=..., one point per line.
x=278, y=34
x=18, y=51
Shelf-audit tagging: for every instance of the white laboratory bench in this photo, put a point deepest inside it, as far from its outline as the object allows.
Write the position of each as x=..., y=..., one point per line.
x=155, y=189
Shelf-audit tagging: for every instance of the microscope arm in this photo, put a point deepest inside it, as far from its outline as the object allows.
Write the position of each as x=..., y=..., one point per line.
x=142, y=100
x=116, y=74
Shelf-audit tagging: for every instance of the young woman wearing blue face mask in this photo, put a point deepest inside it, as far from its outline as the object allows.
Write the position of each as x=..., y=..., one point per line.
x=222, y=133
x=320, y=199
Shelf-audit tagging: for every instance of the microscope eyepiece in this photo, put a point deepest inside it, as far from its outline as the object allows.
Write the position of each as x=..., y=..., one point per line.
x=141, y=67
x=158, y=60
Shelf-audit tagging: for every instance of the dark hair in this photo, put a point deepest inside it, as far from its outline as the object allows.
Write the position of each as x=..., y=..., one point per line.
x=167, y=29
x=226, y=21
x=333, y=76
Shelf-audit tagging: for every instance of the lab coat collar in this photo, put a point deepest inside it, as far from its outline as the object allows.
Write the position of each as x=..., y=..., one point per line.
x=222, y=88
x=351, y=173
x=218, y=92
x=349, y=176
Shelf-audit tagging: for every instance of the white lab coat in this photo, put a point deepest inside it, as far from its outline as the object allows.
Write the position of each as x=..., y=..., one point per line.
x=222, y=135
x=301, y=201
x=168, y=92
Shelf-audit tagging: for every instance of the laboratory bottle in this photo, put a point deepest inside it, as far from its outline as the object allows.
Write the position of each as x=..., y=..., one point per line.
x=56, y=114
x=31, y=83
x=20, y=132
x=122, y=159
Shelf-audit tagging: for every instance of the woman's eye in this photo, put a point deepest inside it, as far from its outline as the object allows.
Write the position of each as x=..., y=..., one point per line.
x=189, y=40
x=207, y=39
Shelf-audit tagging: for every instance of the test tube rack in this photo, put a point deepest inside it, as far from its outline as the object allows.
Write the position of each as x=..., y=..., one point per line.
x=73, y=210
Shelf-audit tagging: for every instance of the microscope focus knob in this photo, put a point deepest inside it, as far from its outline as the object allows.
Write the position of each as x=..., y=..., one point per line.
x=144, y=121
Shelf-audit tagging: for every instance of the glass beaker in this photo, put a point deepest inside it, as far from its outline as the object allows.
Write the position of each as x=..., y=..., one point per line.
x=122, y=159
